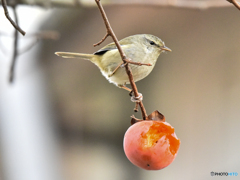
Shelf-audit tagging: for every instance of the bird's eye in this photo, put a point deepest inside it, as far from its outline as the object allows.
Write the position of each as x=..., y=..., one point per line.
x=152, y=43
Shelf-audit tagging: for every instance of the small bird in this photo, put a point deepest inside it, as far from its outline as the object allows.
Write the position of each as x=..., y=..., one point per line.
x=140, y=48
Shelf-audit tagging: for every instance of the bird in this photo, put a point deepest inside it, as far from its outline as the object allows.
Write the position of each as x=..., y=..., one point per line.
x=143, y=49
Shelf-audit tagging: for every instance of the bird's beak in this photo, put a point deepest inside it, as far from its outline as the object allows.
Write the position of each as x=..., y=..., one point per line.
x=164, y=48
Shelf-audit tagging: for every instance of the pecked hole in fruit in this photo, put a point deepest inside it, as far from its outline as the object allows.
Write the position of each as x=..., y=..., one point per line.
x=174, y=143
x=158, y=130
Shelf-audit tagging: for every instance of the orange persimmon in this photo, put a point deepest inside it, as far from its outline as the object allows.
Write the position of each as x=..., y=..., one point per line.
x=151, y=145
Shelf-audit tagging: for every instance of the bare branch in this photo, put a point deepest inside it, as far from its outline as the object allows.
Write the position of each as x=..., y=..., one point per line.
x=15, y=49
x=15, y=25
x=136, y=107
x=193, y=4
x=123, y=56
x=103, y=39
x=235, y=3
x=137, y=63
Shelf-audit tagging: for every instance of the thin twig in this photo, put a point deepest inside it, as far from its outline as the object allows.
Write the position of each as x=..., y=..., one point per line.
x=235, y=3
x=137, y=63
x=15, y=49
x=103, y=39
x=127, y=62
x=15, y=25
x=115, y=70
x=123, y=56
x=136, y=107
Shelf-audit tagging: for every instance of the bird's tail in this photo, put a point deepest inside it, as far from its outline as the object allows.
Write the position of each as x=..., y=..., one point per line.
x=91, y=57
x=75, y=55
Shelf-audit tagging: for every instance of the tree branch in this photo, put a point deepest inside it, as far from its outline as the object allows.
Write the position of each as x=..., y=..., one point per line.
x=193, y=4
x=15, y=49
x=103, y=39
x=235, y=3
x=123, y=56
x=15, y=25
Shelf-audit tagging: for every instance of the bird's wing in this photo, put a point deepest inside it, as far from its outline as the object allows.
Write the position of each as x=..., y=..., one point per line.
x=112, y=46
x=106, y=48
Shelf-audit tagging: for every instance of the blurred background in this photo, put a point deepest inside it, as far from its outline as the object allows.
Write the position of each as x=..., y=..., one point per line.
x=62, y=120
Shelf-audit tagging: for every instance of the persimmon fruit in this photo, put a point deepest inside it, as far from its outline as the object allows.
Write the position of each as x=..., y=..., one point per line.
x=151, y=145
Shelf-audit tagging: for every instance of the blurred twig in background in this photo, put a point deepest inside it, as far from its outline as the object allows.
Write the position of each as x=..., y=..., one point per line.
x=195, y=4
x=4, y=5
x=15, y=49
x=53, y=35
